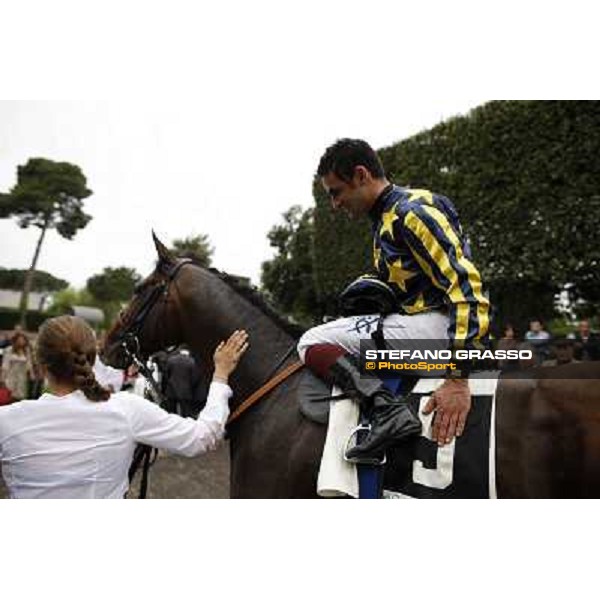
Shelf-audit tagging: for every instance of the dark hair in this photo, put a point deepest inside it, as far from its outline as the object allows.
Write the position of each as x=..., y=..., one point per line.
x=345, y=155
x=67, y=347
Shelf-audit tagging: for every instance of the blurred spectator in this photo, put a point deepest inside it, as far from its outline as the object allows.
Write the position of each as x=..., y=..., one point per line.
x=181, y=383
x=508, y=342
x=17, y=368
x=540, y=339
x=35, y=379
x=563, y=351
x=587, y=342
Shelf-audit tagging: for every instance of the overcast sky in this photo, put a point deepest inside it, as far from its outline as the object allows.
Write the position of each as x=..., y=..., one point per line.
x=201, y=118
x=227, y=168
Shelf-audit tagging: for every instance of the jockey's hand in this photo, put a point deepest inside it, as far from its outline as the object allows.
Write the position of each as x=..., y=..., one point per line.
x=452, y=403
x=227, y=355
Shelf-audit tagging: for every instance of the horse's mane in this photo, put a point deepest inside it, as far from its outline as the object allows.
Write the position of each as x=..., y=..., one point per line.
x=257, y=299
x=248, y=292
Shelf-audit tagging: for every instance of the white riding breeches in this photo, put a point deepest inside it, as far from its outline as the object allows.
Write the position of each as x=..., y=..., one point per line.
x=347, y=332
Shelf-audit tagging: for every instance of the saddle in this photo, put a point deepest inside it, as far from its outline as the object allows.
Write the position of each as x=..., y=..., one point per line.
x=313, y=394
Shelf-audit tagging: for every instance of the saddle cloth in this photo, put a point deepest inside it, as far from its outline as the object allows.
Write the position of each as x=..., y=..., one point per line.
x=418, y=468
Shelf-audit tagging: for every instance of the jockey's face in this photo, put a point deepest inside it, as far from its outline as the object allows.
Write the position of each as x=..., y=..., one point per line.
x=353, y=196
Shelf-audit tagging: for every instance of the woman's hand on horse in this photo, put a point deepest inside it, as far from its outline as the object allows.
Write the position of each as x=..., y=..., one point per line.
x=228, y=353
x=452, y=403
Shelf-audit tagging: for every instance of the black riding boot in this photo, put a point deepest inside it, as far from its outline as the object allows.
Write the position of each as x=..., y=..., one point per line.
x=390, y=417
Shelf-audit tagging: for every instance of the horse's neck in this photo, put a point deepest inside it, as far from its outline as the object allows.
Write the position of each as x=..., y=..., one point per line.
x=205, y=326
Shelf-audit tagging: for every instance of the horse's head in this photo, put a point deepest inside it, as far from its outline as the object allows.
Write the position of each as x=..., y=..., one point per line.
x=148, y=323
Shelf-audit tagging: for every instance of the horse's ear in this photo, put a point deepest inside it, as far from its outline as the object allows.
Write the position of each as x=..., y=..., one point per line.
x=164, y=254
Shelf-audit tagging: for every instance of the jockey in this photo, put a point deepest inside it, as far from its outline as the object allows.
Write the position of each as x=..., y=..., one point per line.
x=419, y=252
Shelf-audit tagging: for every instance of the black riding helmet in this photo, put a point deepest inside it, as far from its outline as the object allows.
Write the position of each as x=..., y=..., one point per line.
x=367, y=295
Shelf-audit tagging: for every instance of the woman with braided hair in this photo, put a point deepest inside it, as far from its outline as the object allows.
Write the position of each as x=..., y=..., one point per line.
x=77, y=440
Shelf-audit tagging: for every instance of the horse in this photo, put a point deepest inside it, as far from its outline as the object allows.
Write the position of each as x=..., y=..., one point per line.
x=547, y=424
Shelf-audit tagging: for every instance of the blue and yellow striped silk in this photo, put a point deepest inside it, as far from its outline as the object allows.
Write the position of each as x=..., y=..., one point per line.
x=419, y=249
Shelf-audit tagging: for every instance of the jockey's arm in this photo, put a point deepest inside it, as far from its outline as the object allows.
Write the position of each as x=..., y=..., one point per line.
x=439, y=251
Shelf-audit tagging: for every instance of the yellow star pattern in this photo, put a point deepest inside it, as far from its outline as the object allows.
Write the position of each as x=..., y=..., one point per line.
x=420, y=195
x=388, y=219
x=398, y=275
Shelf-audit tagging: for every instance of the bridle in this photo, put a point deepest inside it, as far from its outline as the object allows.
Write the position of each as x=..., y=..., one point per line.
x=130, y=342
x=145, y=455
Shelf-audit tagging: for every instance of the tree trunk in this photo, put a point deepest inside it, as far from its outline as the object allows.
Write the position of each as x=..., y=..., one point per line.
x=29, y=278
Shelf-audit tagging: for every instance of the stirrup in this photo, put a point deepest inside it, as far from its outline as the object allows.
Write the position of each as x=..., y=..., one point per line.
x=361, y=461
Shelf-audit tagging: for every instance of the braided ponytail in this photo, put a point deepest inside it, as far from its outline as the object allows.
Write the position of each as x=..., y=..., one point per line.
x=84, y=378
x=67, y=346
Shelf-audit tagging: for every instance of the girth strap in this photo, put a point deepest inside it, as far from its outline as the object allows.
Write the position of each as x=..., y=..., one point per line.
x=259, y=393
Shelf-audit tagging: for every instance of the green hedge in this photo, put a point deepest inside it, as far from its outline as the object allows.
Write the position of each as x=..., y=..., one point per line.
x=525, y=177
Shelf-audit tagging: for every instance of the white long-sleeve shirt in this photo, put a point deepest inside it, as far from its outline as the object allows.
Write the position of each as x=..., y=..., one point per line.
x=71, y=447
x=108, y=376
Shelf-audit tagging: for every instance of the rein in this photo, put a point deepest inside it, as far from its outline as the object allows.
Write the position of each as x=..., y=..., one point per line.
x=143, y=455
